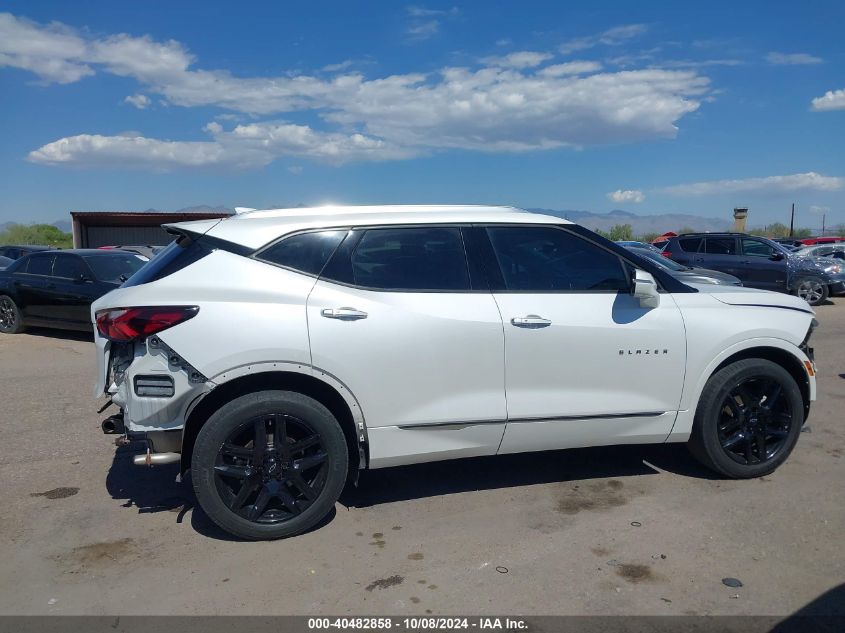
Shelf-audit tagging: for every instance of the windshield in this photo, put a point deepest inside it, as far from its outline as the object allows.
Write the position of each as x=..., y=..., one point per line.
x=658, y=259
x=115, y=268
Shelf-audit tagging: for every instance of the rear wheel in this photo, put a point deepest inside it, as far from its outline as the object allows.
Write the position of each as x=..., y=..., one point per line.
x=11, y=321
x=269, y=465
x=813, y=290
x=748, y=419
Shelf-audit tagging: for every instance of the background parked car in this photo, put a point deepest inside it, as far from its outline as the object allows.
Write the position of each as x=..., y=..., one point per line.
x=16, y=252
x=634, y=243
x=5, y=261
x=759, y=263
x=827, y=239
x=56, y=288
x=833, y=251
x=147, y=251
x=687, y=274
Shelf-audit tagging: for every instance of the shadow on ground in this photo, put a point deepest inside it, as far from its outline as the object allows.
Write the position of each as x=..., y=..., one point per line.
x=825, y=614
x=524, y=469
x=153, y=490
x=65, y=335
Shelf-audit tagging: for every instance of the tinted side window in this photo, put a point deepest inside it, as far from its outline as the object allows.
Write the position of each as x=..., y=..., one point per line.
x=40, y=264
x=720, y=246
x=411, y=259
x=756, y=248
x=540, y=259
x=690, y=244
x=69, y=267
x=307, y=252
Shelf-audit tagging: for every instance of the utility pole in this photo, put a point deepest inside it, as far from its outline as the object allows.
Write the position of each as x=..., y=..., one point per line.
x=792, y=220
x=823, y=214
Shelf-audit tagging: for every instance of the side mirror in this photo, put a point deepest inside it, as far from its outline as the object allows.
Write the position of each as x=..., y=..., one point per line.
x=82, y=278
x=644, y=288
x=776, y=257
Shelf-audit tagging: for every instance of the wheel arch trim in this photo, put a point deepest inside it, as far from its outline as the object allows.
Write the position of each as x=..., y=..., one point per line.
x=774, y=349
x=281, y=369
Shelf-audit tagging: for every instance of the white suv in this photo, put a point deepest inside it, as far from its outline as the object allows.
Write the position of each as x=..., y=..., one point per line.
x=276, y=353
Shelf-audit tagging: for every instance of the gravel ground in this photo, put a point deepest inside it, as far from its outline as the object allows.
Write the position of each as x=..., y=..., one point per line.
x=624, y=530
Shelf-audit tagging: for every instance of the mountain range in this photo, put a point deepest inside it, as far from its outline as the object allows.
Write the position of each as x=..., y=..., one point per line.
x=641, y=224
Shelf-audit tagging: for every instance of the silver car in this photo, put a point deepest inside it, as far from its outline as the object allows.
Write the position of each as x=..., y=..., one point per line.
x=687, y=274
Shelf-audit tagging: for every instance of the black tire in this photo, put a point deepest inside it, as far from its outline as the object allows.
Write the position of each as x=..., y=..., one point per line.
x=278, y=475
x=11, y=321
x=812, y=289
x=731, y=417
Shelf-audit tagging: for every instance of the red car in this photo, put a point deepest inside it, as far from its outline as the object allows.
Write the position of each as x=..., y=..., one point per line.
x=831, y=239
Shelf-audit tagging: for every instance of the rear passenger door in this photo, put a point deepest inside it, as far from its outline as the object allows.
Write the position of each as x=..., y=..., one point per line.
x=719, y=253
x=398, y=318
x=71, y=289
x=31, y=283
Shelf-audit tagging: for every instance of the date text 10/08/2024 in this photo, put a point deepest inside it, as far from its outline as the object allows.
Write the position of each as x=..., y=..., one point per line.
x=418, y=623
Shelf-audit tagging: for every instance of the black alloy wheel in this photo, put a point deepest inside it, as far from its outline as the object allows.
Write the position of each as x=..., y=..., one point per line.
x=748, y=419
x=755, y=421
x=269, y=464
x=271, y=468
x=10, y=316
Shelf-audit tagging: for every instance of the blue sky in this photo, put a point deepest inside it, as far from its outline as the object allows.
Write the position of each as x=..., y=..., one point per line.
x=650, y=107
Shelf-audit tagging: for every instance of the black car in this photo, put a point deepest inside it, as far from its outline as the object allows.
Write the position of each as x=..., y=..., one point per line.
x=56, y=288
x=16, y=252
x=759, y=263
x=5, y=261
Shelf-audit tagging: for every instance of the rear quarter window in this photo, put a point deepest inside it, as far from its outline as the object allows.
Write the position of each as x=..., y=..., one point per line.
x=690, y=244
x=306, y=252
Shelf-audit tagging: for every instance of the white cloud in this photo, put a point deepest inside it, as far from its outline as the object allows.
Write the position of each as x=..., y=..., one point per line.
x=244, y=146
x=792, y=59
x=610, y=37
x=423, y=30
x=53, y=52
x=626, y=195
x=697, y=63
x=423, y=12
x=520, y=59
x=570, y=68
x=505, y=41
x=831, y=100
x=133, y=151
x=425, y=22
x=138, y=100
x=490, y=108
x=770, y=184
x=333, y=68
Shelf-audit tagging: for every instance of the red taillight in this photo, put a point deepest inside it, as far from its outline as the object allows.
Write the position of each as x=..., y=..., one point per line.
x=126, y=324
x=666, y=254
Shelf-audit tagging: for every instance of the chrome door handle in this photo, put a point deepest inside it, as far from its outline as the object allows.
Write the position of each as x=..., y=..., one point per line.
x=532, y=320
x=344, y=314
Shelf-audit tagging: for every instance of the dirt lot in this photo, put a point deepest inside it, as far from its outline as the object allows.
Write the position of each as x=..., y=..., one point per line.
x=627, y=530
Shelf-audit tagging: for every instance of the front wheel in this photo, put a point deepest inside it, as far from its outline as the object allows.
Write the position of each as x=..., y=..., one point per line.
x=812, y=290
x=748, y=419
x=269, y=464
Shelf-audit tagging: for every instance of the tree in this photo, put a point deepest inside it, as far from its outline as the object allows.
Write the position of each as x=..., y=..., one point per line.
x=687, y=229
x=44, y=234
x=620, y=232
x=648, y=238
